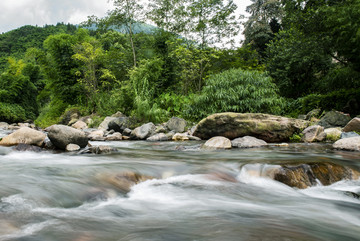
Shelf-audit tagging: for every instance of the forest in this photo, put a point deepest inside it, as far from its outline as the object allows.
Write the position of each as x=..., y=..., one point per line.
x=297, y=55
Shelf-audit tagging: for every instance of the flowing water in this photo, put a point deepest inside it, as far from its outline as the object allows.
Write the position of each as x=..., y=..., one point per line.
x=196, y=195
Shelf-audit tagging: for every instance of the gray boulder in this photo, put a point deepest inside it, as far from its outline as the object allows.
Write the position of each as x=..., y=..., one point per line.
x=313, y=133
x=217, y=142
x=61, y=136
x=158, y=137
x=349, y=144
x=114, y=137
x=119, y=124
x=353, y=125
x=269, y=128
x=176, y=124
x=314, y=113
x=334, y=119
x=348, y=135
x=105, y=124
x=24, y=135
x=143, y=132
x=247, y=142
x=97, y=135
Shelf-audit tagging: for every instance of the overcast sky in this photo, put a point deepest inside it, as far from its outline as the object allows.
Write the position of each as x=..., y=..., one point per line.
x=16, y=13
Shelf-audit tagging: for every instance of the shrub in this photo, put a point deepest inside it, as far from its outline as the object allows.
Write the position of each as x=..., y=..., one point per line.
x=11, y=113
x=237, y=90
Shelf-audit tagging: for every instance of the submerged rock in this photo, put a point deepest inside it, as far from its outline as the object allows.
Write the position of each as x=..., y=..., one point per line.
x=269, y=128
x=349, y=144
x=217, y=142
x=123, y=181
x=24, y=135
x=247, y=142
x=61, y=136
x=307, y=175
x=27, y=147
x=313, y=133
x=353, y=125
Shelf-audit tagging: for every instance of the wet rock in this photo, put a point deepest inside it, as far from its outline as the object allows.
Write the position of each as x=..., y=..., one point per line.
x=143, y=132
x=348, y=135
x=307, y=175
x=180, y=137
x=349, y=144
x=4, y=125
x=247, y=142
x=7, y=228
x=25, y=135
x=72, y=147
x=119, y=124
x=217, y=142
x=334, y=119
x=27, y=147
x=176, y=124
x=269, y=128
x=313, y=133
x=114, y=137
x=353, y=125
x=102, y=149
x=333, y=134
x=61, y=136
x=158, y=137
x=352, y=194
x=123, y=181
x=80, y=125
x=97, y=135
x=105, y=124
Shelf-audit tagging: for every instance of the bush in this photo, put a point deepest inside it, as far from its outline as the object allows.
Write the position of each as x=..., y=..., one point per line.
x=11, y=113
x=237, y=90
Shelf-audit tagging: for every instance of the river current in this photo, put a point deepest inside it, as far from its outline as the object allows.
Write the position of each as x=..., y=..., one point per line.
x=58, y=196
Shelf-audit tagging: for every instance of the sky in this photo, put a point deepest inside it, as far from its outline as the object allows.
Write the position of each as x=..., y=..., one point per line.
x=17, y=13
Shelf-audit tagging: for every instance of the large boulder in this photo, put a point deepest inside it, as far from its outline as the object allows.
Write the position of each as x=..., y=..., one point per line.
x=143, y=132
x=176, y=124
x=307, y=175
x=105, y=124
x=353, y=125
x=349, y=144
x=119, y=124
x=334, y=119
x=313, y=133
x=217, y=142
x=114, y=137
x=269, y=128
x=247, y=142
x=61, y=136
x=24, y=135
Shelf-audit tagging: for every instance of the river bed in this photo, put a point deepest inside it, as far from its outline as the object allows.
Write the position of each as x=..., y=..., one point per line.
x=58, y=196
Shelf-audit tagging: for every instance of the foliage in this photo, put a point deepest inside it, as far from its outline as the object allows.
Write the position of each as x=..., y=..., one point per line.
x=174, y=104
x=237, y=90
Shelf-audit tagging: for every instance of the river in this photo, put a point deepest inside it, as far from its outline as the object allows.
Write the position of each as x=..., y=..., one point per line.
x=58, y=196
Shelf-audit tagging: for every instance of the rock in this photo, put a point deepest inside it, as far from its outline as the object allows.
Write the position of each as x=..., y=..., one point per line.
x=193, y=138
x=48, y=144
x=127, y=132
x=102, y=149
x=125, y=138
x=313, y=114
x=333, y=134
x=24, y=125
x=269, y=128
x=334, y=119
x=4, y=125
x=13, y=127
x=118, y=114
x=97, y=135
x=247, y=142
x=143, y=132
x=160, y=129
x=24, y=135
x=353, y=125
x=114, y=137
x=307, y=175
x=72, y=147
x=105, y=124
x=349, y=144
x=158, y=137
x=61, y=136
x=217, y=142
x=27, y=147
x=180, y=137
x=80, y=125
x=313, y=133
x=70, y=117
x=119, y=124
x=123, y=181
x=176, y=124
x=348, y=135
x=87, y=119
